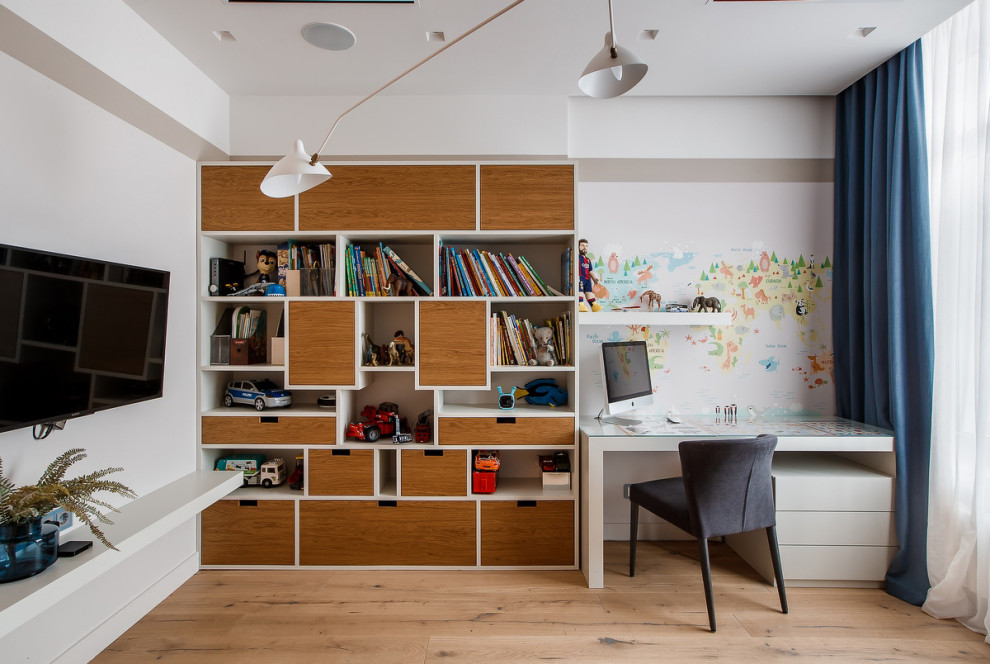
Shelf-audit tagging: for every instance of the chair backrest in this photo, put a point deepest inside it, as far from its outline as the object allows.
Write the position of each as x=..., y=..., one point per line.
x=728, y=484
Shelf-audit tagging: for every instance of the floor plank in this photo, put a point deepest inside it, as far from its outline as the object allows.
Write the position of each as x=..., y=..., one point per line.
x=296, y=616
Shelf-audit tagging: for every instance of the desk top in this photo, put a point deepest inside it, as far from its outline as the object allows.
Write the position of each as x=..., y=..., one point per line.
x=793, y=433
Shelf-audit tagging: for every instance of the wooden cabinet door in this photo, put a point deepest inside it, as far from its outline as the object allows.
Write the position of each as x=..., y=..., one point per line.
x=527, y=532
x=231, y=200
x=249, y=532
x=429, y=198
x=527, y=197
x=453, y=346
x=321, y=343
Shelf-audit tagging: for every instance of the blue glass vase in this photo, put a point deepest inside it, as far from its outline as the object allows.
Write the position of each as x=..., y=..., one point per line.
x=27, y=548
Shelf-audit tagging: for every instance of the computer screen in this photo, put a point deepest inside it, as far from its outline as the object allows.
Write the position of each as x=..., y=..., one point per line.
x=626, y=378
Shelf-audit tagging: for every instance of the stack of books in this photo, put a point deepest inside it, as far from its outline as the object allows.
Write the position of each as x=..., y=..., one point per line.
x=475, y=272
x=318, y=257
x=368, y=271
x=512, y=340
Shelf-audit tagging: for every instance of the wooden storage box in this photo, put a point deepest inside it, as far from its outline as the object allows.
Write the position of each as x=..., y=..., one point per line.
x=392, y=532
x=270, y=429
x=342, y=472
x=506, y=430
x=433, y=472
x=527, y=532
x=248, y=532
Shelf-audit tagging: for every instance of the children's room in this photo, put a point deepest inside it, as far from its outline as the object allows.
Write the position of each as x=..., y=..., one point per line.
x=321, y=343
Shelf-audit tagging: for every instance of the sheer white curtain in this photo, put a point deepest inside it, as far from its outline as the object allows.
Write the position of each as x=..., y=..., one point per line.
x=957, y=89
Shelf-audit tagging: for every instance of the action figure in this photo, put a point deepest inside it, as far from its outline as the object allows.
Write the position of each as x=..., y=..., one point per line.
x=586, y=278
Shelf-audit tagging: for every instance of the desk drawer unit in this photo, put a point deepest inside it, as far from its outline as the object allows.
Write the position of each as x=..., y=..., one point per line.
x=834, y=519
x=506, y=431
x=269, y=429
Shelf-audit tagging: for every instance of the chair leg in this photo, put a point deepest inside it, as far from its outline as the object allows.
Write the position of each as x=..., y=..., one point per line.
x=777, y=571
x=633, y=535
x=706, y=575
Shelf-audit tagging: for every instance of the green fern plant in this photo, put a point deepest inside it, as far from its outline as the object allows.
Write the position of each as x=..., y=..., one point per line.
x=76, y=495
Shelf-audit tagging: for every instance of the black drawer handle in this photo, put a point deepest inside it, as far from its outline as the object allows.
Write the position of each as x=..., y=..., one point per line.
x=505, y=420
x=247, y=503
x=525, y=503
x=388, y=503
x=269, y=420
x=438, y=453
x=340, y=453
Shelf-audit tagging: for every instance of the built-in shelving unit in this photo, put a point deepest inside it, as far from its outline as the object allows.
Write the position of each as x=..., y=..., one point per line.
x=383, y=504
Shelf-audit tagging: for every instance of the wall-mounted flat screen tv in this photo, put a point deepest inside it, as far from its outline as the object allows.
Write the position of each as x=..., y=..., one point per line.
x=77, y=335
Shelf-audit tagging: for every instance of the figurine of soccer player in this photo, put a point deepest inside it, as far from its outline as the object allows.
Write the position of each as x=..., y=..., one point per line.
x=586, y=279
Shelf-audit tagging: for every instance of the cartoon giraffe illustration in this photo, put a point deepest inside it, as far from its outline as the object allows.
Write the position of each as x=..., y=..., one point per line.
x=730, y=348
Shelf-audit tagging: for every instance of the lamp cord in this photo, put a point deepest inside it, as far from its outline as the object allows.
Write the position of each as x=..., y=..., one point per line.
x=611, y=30
x=316, y=155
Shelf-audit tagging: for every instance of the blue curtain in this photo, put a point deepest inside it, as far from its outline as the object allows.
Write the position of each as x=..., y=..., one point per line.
x=882, y=303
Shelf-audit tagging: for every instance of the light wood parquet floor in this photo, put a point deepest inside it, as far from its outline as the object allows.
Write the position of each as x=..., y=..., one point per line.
x=533, y=616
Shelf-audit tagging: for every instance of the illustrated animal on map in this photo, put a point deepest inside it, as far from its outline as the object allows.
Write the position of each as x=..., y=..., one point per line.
x=645, y=274
x=396, y=284
x=764, y=262
x=730, y=348
x=761, y=297
x=749, y=313
x=613, y=263
x=546, y=354
x=755, y=281
x=651, y=297
x=800, y=309
x=726, y=270
x=702, y=303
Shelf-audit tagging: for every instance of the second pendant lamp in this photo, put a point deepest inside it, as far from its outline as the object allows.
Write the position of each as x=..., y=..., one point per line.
x=614, y=70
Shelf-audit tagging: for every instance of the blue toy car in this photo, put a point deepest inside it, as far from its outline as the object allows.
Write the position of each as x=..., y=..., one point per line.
x=261, y=394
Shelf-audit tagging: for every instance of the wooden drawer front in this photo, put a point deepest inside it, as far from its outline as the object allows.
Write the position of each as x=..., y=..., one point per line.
x=341, y=473
x=836, y=563
x=390, y=198
x=834, y=493
x=367, y=532
x=248, y=532
x=268, y=430
x=506, y=431
x=434, y=472
x=231, y=200
x=321, y=343
x=842, y=528
x=527, y=197
x=527, y=532
x=452, y=347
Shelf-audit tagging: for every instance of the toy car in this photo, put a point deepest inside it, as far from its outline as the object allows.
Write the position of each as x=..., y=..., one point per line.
x=261, y=394
x=487, y=460
x=677, y=307
x=378, y=421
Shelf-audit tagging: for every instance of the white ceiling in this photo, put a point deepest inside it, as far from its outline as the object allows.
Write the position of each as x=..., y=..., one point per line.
x=802, y=47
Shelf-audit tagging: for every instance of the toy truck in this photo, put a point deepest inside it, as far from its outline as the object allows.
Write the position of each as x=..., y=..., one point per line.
x=255, y=467
x=380, y=421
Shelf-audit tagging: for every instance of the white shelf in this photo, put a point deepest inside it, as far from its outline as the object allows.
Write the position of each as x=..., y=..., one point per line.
x=522, y=409
x=295, y=410
x=138, y=524
x=653, y=318
x=522, y=488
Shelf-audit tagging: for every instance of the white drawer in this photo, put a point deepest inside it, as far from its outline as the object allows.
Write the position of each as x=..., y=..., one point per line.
x=836, y=528
x=828, y=483
x=836, y=563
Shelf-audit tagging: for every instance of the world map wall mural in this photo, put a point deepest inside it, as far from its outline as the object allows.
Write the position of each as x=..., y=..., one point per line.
x=774, y=359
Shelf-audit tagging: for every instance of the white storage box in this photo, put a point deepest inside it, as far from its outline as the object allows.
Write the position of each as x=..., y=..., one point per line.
x=557, y=481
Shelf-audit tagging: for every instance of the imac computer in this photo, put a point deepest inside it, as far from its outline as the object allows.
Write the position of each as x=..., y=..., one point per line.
x=626, y=379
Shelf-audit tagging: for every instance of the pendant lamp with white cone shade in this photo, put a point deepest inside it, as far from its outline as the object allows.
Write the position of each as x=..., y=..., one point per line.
x=614, y=70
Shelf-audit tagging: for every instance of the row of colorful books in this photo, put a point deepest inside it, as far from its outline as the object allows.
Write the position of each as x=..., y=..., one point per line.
x=368, y=270
x=320, y=257
x=476, y=272
x=567, y=271
x=513, y=341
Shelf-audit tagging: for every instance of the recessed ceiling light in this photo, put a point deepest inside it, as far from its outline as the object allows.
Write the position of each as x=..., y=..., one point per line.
x=330, y=36
x=435, y=37
x=223, y=35
x=648, y=35
x=863, y=32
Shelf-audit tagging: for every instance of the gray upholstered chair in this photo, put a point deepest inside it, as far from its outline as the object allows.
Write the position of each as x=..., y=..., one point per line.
x=726, y=489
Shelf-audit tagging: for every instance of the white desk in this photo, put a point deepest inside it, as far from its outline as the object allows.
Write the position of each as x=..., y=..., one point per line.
x=833, y=488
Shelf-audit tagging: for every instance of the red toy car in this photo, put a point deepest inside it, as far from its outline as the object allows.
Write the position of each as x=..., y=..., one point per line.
x=378, y=422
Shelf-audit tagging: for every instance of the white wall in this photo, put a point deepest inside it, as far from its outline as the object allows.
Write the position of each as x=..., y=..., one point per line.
x=76, y=180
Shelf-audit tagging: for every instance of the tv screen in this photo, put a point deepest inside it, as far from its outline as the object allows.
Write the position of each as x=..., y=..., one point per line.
x=77, y=335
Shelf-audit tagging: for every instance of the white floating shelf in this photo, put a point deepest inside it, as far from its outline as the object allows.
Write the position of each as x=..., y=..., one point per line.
x=653, y=318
